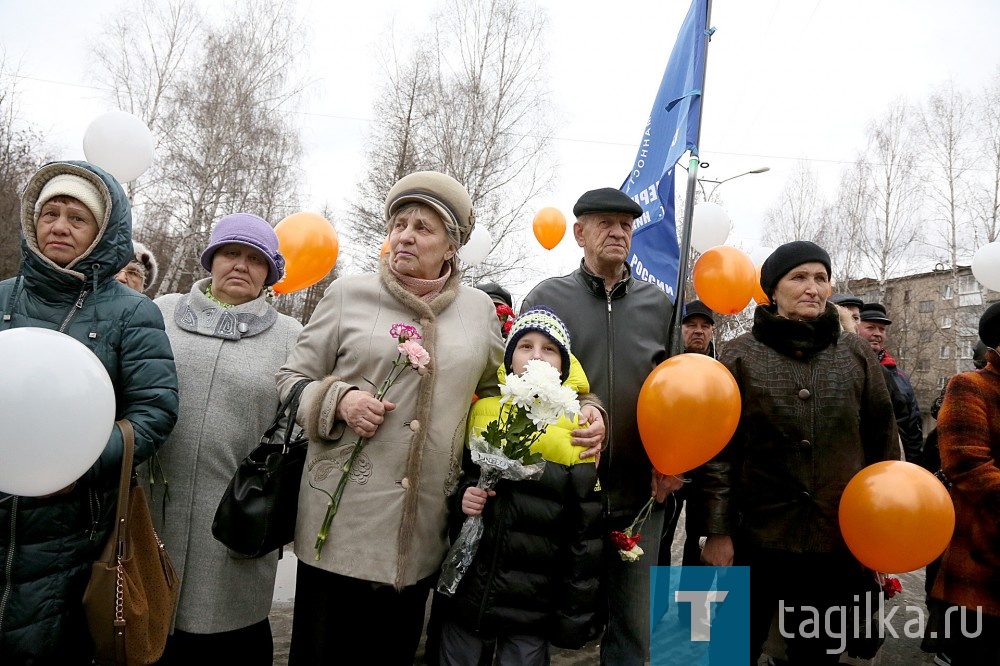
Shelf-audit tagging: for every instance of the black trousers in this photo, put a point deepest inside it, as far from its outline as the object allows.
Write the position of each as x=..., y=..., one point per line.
x=249, y=646
x=338, y=618
x=819, y=581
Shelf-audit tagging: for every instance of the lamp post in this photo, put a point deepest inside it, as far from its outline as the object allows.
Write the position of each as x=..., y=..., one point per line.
x=716, y=183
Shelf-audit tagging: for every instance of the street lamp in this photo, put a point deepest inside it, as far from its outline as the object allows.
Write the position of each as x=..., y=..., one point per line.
x=716, y=183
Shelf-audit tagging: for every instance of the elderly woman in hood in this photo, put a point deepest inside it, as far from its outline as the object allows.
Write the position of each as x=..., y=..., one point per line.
x=390, y=535
x=76, y=226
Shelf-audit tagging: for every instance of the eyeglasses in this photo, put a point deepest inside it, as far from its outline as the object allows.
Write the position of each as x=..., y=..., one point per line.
x=134, y=272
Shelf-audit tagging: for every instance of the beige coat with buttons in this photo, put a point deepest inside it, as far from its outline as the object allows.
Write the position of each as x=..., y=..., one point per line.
x=391, y=526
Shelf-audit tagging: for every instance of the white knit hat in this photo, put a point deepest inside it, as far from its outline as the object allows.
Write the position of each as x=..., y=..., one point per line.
x=145, y=259
x=70, y=185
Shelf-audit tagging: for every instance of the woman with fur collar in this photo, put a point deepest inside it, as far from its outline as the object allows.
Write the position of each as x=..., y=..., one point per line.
x=390, y=533
x=815, y=411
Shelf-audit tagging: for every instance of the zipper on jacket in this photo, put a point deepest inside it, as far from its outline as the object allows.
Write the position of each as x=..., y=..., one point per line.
x=611, y=389
x=76, y=307
x=95, y=512
x=8, y=567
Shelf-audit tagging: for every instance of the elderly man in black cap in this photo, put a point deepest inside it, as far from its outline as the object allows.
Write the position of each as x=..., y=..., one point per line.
x=872, y=328
x=620, y=331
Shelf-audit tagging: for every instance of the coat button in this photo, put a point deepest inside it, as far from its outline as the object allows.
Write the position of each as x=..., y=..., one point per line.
x=405, y=482
x=806, y=496
x=805, y=442
x=804, y=394
x=414, y=425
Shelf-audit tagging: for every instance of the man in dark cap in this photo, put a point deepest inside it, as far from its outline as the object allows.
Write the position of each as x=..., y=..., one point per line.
x=503, y=303
x=872, y=328
x=620, y=331
x=697, y=330
x=850, y=303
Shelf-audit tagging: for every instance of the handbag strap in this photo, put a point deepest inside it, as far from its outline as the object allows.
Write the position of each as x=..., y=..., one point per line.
x=128, y=453
x=291, y=405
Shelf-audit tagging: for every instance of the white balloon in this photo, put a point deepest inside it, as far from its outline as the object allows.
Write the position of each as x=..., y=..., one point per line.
x=57, y=407
x=479, y=245
x=760, y=254
x=119, y=143
x=710, y=226
x=986, y=265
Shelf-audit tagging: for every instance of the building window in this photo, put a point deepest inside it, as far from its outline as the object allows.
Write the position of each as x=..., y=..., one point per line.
x=906, y=296
x=926, y=306
x=946, y=321
x=926, y=336
x=968, y=324
x=923, y=365
x=945, y=351
x=969, y=292
x=941, y=382
x=965, y=348
x=888, y=296
x=948, y=292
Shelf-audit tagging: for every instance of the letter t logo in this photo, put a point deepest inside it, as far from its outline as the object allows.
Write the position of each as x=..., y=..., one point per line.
x=701, y=619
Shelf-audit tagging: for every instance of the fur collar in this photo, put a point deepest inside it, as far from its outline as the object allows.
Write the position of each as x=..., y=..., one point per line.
x=797, y=339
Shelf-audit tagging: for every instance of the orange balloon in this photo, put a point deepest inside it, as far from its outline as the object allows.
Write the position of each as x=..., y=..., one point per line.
x=309, y=244
x=688, y=409
x=724, y=278
x=759, y=297
x=896, y=516
x=549, y=227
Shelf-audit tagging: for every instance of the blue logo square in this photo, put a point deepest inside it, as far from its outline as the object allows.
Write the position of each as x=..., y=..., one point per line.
x=699, y=615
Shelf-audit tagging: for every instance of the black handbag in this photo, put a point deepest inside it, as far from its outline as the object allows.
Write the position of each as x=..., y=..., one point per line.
x=257, y=512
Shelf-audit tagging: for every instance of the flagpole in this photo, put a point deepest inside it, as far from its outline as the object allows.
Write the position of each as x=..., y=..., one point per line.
x=676, y=339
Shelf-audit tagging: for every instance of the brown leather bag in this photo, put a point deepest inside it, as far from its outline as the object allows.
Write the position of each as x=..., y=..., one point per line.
x=133, y=588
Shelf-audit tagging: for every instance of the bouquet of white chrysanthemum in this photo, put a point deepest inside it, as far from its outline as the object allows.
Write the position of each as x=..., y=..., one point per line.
x=529, y=403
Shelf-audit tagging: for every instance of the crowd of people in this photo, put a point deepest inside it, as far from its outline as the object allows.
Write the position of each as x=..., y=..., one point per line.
x=200, y=375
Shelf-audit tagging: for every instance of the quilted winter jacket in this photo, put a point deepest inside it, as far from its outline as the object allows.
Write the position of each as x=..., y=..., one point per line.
x=619, y=337
x=48, y=545
x=537, y=567
x=815, y=410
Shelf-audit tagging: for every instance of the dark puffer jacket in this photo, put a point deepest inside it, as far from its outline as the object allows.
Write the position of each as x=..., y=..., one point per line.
x=537, y=567
x=815, y=411
x=48, y=545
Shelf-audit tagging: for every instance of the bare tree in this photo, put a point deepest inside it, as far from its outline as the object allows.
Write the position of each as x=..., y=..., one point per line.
x=468, y=101
x=22, y=150
x=798, y=213
x=218, y=112
x=846, y=217
x=987, y=196
x=895, y=190
x=945, y=124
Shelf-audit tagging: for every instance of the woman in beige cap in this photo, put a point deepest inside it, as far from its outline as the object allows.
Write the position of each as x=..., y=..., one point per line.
x=370, y=582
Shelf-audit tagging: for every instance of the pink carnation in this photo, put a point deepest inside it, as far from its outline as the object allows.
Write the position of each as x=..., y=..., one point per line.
x=419, y=358
x=404, y=332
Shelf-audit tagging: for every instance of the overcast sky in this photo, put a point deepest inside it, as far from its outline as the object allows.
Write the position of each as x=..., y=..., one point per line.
x=787, y=80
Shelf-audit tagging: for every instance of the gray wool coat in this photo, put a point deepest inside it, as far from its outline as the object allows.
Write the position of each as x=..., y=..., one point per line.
x=226, y=359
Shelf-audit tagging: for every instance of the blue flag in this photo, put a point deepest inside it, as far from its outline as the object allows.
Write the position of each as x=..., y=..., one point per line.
x=672, y=129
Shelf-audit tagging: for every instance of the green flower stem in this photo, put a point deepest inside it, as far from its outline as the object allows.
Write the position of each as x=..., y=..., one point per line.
x=641, y=517
x=334, y=503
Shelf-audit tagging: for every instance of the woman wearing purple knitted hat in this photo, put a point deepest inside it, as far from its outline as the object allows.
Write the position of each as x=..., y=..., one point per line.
x=228, y=342
x=815, y=411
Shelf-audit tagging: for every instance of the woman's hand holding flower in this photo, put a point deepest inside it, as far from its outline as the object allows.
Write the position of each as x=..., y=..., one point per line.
x=362, y=412
x=474, y=500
